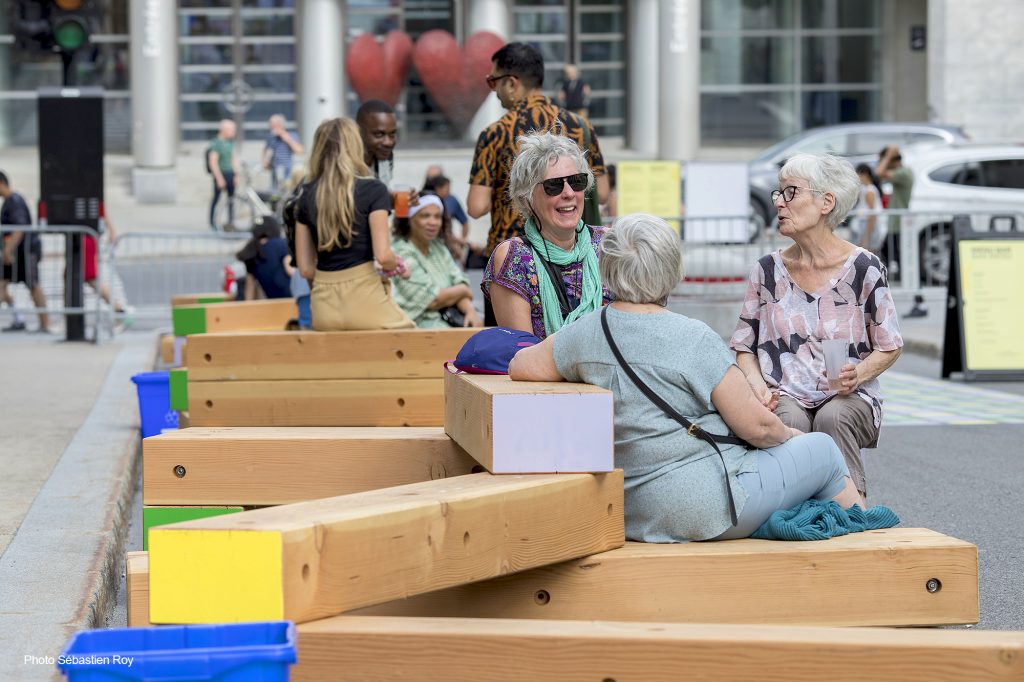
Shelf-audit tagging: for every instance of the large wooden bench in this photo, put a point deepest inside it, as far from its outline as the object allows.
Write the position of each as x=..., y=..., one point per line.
x=470, y=650
x=259, y=466
x=893, y=577
x=373, y=378
x=315, y=559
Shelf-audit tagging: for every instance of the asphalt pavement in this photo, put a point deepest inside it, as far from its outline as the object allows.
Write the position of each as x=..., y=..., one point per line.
x=69, y=502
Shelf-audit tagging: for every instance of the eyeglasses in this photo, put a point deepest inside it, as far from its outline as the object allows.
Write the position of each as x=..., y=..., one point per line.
x=788, y=193
x=553, y=186
x=493, y=80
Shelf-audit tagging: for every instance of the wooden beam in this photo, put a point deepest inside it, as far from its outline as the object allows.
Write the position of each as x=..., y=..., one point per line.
x=404, y=354
x=530, y=427
x=136, y=572
x=330, y=402
x=871, y=578
x=377, y=649
x=194, y=299
x=279, y=465
x=315, y=559
x=167, y=349
x=266, y=314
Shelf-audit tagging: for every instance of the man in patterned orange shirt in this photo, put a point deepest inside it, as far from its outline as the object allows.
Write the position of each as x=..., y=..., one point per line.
x=517, y=76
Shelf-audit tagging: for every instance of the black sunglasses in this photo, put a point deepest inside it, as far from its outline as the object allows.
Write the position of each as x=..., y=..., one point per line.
x=492, y=81
x=553, y=186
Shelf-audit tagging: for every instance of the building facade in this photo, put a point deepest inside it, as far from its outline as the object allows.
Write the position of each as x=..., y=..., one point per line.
x=669, y=76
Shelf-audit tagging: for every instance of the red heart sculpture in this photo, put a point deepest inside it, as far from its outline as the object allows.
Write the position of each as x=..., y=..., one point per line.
x=456, y=79
x=378, y=70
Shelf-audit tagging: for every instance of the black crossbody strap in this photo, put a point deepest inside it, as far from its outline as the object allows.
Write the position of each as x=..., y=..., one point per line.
x=691, y=428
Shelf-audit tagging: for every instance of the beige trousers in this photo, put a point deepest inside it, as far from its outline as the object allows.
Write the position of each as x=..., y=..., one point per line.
x=354, y=298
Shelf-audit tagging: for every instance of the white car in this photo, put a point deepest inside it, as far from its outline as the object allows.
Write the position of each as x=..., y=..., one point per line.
x=985, y=182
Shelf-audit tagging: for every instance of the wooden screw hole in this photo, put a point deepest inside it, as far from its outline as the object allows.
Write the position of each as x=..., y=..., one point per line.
x=541, y=597
x=465, y=538
x=209, y=403
x=399, y=354
x=401, y=402
x=207, y=357
x=305, y=571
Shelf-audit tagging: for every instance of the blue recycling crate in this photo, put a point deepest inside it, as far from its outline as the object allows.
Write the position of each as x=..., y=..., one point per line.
x=234, y=652
x=155, y=413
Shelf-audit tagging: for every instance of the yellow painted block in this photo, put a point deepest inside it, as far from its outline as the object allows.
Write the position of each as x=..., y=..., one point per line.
x=233, y=573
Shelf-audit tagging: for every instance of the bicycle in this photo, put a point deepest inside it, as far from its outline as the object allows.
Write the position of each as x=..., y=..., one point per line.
x=248, y=204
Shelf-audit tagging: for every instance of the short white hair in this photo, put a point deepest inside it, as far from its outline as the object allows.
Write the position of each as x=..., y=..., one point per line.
x=826, y=173
x=641, y=259
x=537, y=151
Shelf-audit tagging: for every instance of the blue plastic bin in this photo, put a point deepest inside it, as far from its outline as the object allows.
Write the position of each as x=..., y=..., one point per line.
x=155, y=413
x=235, y=652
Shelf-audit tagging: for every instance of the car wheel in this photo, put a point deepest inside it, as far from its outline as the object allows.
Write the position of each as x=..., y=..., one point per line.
x=934, y=245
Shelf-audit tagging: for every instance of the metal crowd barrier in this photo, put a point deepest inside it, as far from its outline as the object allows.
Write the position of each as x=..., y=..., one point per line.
x=151, y=267
x=48, y=270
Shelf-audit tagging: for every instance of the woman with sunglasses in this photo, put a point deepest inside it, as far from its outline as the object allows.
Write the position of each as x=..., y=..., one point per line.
x=820, y=288
x=548, y=277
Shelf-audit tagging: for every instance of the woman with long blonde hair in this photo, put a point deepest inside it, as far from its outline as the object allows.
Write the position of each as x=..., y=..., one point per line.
x=342, y=238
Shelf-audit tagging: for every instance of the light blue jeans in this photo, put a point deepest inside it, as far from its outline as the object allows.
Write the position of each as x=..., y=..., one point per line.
x=805, y=467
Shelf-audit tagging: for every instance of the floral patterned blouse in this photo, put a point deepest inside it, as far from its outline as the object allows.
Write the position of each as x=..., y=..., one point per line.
x=519, y=274
x=785, y=325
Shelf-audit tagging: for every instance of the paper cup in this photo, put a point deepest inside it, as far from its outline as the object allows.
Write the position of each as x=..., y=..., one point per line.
x=835, y=351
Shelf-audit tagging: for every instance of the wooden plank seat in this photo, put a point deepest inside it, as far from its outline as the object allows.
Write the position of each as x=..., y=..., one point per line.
x=259, y=466
x=202, y=318
x=315, y=559
x=377, y=648
x=876, y=578
x=897, y=576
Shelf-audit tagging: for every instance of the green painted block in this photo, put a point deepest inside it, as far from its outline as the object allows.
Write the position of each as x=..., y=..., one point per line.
x=161, y=516
x=189, y=319
x=212, y=299
x=179, y=388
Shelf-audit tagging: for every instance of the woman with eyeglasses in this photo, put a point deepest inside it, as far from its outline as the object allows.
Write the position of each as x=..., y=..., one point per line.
x=820, y=288
x=548, y=277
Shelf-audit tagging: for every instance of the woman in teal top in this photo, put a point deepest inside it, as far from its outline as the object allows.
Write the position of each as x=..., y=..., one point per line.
x=436, y=281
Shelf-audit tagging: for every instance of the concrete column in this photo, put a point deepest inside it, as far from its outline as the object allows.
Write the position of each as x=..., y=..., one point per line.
x=494, y=16
x=641, y=116
x=5, y=83
x=321, y=43
x=679, y=79
x=155, y=103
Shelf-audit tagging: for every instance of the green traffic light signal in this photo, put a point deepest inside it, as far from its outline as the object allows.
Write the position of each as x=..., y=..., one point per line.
x=70, y=33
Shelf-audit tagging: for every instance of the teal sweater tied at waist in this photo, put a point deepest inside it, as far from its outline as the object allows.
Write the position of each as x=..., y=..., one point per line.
x=823, y=519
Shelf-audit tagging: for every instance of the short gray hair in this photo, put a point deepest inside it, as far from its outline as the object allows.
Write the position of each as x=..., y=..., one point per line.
x=640, y=259
x=830, y=174
x=537, y=151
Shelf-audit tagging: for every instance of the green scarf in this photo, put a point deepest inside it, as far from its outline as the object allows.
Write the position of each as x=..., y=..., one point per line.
x=592, y=295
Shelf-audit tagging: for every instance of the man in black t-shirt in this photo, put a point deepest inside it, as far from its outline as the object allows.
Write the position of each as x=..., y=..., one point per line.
x=22, y=251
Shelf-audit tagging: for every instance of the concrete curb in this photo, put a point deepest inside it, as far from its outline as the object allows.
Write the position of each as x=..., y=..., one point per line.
x=71, y=543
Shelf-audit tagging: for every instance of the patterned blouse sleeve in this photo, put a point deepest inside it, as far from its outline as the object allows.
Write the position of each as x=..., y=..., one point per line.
x=883, y=325
x=594, y=152
x=745, y=338
x=516, y=273
x=481, y=172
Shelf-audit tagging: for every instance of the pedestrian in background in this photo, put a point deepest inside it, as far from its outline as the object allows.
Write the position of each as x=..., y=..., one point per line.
x=222, y=164
x=342, y=240
x=22, y=251
x=267, y=262
x=891, y=169
x=457, y=243
x=378, y=127
x=868, y=232
x=279, y=151
x=517, y=76
x=573, y=91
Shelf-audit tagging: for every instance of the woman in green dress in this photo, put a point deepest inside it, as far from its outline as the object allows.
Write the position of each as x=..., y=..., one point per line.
x=437, y=292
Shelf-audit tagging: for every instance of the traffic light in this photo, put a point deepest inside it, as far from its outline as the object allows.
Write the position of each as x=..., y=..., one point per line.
x=52, y=25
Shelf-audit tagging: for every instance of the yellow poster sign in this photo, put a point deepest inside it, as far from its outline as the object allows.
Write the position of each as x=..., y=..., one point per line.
x=649, y=187
x=991, y=281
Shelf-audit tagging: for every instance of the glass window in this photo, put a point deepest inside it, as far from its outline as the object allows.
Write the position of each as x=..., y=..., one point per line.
x=947, y=173
x=204, y=82
x=601, y=51
x=744, y=117
x=1005, y=173
x=729, y=15
x=601, y=22
x=839, y=14
x=205, y=53
x=607, y=107
x=204, y=3
x=840, y=59
x=603, y=79
x=541, y=22
x=271, y=82
x=377, y=24
x=839, y=106
x=271, y=4
x=736, y=60
x=276, y=25
x=203, y=26
x=553, y=51
x=269, y=54
x=540, y=3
